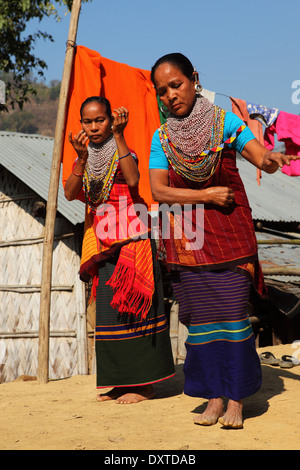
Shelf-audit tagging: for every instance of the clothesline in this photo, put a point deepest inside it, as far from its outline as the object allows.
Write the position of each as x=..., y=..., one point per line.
x=231, y=96
x=265, y=122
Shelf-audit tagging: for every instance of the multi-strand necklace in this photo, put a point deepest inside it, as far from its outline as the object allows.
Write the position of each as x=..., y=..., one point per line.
x=100, y=155
x=100, y=170
x=191, y=134
x=187, y=141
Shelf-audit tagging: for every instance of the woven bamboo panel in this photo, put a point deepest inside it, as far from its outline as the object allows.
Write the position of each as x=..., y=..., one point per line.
x=20, y=357
x=22, y=312
x=21, y=251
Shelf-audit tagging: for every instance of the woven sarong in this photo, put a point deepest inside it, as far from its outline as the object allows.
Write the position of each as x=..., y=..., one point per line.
x=107, y=231
x=131, y=351
x=221, y=357
x=229, y=240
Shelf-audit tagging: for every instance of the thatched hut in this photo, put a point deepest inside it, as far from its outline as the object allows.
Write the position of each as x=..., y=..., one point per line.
x=25, y=163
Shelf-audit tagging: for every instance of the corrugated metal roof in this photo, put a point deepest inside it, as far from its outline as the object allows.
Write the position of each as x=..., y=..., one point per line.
x=278, y=255
x=277, y=199
x=29, y=158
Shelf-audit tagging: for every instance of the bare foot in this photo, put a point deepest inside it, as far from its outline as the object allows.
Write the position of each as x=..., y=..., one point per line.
x=233, y=417
x=212, y=413
x=136, y=394
x=111, y=395
x=127, y=394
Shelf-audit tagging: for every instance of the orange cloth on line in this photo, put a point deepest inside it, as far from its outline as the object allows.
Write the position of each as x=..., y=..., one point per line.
x=239, y=107
x=122, y=85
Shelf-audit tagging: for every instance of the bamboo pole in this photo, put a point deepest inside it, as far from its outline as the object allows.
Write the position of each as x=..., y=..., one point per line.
x=279, y=241
x=45, y=298
x=281, y=271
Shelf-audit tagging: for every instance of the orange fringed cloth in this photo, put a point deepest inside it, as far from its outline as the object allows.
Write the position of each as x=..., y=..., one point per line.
x=122, y=85
x=113, y=227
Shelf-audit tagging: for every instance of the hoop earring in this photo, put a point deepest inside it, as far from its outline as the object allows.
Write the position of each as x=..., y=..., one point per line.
x=198, y=88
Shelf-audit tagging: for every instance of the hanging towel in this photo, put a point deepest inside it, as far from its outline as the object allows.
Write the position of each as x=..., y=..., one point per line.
x=267, y=116
x=239, y=107
x=287, y=128
x=209, y=95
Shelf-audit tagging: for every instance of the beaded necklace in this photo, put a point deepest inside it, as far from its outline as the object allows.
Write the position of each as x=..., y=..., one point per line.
x=201, y=166
x=192, y=133
x=99, y=171
x=99, y=155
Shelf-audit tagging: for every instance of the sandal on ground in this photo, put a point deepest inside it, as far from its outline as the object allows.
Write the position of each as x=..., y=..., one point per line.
x=268, y=358
x=286, y=362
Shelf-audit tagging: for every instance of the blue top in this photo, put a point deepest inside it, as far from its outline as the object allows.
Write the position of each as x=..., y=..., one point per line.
x=158, y=159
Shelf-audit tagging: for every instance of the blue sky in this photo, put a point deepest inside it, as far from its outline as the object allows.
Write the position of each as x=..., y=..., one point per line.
x=248, y=50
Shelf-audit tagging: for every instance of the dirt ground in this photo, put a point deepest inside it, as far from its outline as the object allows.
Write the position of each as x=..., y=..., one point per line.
x=64, y=415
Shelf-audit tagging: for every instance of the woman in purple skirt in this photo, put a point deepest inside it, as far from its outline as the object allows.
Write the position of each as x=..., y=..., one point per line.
x=209, y=244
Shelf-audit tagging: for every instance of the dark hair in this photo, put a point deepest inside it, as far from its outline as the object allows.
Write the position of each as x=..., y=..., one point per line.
x=177, y=59
x=97, y=99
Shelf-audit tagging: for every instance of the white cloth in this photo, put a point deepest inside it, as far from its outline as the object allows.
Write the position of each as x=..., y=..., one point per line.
x=209, y=95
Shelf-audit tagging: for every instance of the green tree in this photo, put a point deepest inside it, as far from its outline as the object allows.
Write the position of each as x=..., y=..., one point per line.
x=16, y=49
x=54, y=89
x=20, y=121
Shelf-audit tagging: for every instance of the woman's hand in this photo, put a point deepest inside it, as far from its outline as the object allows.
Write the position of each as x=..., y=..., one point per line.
x=120, y=120
x=127, y=165
x=273, y=160
x=74, y=182
x=163, y=193
x=220, y=195
x=79, y=143
x=264, y=159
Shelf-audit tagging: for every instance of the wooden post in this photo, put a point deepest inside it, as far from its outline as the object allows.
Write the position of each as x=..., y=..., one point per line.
x=46, y=280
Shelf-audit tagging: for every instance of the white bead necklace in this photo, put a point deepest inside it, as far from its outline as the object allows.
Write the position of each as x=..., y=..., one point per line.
x=192, y=133
x=100, y=155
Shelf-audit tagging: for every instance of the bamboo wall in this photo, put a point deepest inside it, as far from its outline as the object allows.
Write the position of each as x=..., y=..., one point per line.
x=21, y=249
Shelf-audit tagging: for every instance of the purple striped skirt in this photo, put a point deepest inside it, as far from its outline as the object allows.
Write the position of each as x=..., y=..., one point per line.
x=221, y=355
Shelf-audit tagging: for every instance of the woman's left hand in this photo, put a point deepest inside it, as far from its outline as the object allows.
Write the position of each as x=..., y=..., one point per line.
x=264, y=159
x=273, y=160
x=120, y=120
